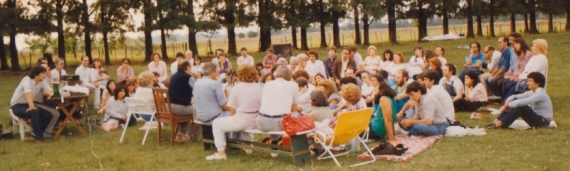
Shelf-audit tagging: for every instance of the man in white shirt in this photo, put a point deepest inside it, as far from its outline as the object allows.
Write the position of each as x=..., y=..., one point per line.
x=244, y=59
x=279, y=98
x=356, y=56
x=58, y=70
x=451, y=83
x=440, y=51
x=437, y=91
x=494, y=56
x=175, y=64
x=85, y=74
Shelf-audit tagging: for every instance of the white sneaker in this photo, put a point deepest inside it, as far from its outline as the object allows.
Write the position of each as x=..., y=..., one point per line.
x=496, y=112
x=216, y=156
x=416, y=137
x=274, y=155
x=247, y=151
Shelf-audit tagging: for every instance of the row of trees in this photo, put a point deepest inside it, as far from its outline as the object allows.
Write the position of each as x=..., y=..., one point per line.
x=73, y=19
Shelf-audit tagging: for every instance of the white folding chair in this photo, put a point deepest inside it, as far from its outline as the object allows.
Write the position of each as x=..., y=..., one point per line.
x=137, y=106
x=19, y=122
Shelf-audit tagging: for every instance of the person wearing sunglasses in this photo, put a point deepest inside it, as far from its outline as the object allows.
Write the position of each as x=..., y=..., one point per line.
x=125, y=71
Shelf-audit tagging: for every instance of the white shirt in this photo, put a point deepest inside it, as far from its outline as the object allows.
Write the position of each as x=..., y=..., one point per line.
x=385, y=64
x=248, y=60
x=343, y=67
x=96, y=75
x=453, y=81
x=160, y=69
x=366, y=90
x=393, y=69
x=278, y=96
x=357, y=59
x=416, y=66
x=197, y=68
x=495, y=58
x=318, y=67
x=305, y=100
x=27, y=85
x=56, y=74
x=372, y=62
x=478, y=93
x=443, y=60
x=85, y=75
x=144, y=93
x=174, y=67
x=536, y=63
x=444, y=98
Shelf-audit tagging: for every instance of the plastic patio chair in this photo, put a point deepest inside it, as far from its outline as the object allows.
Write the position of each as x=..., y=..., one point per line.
x=137, y=106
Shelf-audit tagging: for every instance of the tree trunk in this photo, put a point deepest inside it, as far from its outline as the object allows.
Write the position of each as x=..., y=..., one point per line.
x=479, y=26
x=14, y=51
x=192, y=42
x=366, y=29
x=232, y=47
x=445, y=22
x=323, y=34
x=392, y=22
x=513, y=23
x=304, y=43
x=422, y=28
x=491, y=18
x=60, y=35
x=3, y=57
x=294, y=37
x=163, y=49
x=469, y=16
x=533, y=28
x=567, y=27
x=106, y=48
x=147, y=31
x=265, y=39
x=550, y=23
x=336, y=33
x=526, y=30
x=356, y=27
x=264, y=27
x=87, y=31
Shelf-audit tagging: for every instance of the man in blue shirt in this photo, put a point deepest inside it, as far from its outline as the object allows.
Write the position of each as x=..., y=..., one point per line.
x=497, y=74
x=474, y=61
x=538, y=114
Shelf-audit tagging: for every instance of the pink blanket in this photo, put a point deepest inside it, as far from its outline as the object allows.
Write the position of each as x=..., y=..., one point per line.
x=415, y=147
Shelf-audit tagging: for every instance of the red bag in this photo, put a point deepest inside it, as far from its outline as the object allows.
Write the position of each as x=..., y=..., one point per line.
x=292, y=125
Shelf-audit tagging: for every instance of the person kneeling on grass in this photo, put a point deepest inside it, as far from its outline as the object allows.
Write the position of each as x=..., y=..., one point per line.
x=538, y=114
x=244, y=103
x=430, y=118
x=116, y=114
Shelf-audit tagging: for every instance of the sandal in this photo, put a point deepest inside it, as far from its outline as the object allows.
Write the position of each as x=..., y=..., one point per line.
x=33, y=140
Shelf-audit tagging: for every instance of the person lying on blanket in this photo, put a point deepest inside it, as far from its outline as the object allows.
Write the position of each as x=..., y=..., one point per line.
x=430, y=119
x=538, y=114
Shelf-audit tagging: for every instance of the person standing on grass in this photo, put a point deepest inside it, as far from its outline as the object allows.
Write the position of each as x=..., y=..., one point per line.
x=22, y=102
x=533, y=106
x=157, y=65
x=244, y=58
x=244, y=104
x=430, y=118
x=125, y=71
x=175, y=64
x=474, y=61
x=475, y=94
x=451, y=83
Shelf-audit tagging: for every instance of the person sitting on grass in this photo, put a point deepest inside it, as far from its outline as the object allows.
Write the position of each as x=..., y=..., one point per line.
x=22, y=102
x=475, y=94
x=321, y=110
x=244, y=104
x=304, y=101
x=451, y=83
x=382, y=124
x=474, y=61
x=107, y=93
x=533, y=106
x=430, y=118
x=431, y=82
x=116, y=115
x=330, y=90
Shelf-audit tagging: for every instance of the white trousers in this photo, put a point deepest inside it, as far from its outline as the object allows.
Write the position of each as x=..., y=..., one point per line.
x=97, y=98
x=238, y=122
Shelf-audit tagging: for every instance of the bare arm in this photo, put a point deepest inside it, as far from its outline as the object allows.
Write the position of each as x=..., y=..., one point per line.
x=386, y=106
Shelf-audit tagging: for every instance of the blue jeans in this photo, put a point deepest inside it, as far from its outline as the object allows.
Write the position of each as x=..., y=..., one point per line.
x=490, y=82
x=508, y=88
x=462, y=73
x=40, y=118
x=425, y=130
x=526, y=113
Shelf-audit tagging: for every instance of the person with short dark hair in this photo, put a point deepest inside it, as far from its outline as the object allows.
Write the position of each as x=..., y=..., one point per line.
x=244, y=58
x=451, y=83
x=32, y=88
x=321, y=110
x=305, y=90
x=181, y=91
x=431, y=82
x=330, y=61
x=174, y=66
x=350, y=72
x=197, y=66
x=85, y=75
x=473, y=61
x=506, y=64
x=269, y=60
x=125, y=71
x=440, y=51
x=533, y=106
x=342, y=64
x=429, y=118
x=355, y=56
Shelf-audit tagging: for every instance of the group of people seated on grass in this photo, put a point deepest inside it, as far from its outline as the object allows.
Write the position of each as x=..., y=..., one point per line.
x=420, y=96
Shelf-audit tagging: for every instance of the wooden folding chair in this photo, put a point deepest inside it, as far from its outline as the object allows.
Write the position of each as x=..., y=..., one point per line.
x=138, y=106
x=164, y=113
x=348, y=126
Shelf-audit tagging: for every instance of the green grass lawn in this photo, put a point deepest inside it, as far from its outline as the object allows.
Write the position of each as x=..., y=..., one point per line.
x=539, y=149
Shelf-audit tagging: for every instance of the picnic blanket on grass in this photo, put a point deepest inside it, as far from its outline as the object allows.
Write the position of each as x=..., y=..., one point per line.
x=415, y=147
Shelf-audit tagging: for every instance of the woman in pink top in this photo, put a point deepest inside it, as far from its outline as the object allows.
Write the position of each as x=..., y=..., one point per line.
x=244, y=103
x=475, y=93
x=269, y=60
x=158, y=66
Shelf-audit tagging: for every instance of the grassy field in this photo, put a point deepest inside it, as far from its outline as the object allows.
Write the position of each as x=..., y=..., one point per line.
x=538, y=149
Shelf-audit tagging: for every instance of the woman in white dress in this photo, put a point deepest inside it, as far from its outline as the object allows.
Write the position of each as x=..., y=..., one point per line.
x=387, y=58
x=372, y=61
x=101, y=77
x=417, y=63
